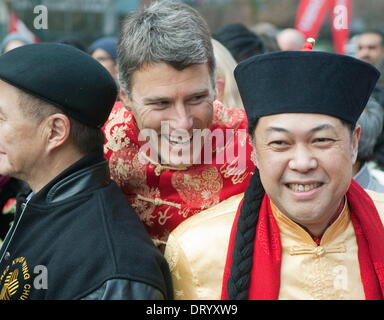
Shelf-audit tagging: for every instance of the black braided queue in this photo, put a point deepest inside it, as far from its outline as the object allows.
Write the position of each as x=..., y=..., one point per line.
x=238, y=282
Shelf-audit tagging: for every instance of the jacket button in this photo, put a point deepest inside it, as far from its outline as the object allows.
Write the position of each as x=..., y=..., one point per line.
x=319, y=251
x=7, y=256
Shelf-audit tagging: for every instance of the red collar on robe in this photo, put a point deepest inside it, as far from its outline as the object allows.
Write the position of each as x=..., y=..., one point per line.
x=165, y=197
x=265, y=272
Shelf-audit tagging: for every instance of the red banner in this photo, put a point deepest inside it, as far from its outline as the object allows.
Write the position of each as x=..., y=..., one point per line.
x=340, y=19
x=310, y=16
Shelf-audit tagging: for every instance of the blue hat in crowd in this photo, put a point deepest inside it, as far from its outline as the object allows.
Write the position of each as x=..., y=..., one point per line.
x=12, y=37
x=109, y=44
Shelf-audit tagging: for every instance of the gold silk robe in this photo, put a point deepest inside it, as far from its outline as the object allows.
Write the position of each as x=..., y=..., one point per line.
x=196, y=252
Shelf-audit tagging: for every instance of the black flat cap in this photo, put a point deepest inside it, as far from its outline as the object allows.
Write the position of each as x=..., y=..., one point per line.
x=305, y=82
x=63, y=76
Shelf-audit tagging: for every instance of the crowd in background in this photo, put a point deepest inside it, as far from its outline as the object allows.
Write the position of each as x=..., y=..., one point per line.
x=232, y=44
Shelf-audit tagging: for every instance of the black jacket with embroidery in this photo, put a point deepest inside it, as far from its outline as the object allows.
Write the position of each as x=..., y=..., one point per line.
x=78, y=238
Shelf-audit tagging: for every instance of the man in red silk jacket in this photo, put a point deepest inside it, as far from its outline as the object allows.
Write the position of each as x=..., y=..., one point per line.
x=171, y=147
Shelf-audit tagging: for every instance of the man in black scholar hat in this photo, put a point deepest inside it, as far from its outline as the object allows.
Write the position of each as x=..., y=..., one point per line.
x=303, y=229
x=74, y=236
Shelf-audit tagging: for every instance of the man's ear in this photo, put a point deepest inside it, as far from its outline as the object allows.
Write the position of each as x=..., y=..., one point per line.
x=57, y=128
x=124, y=97
x=355, y=143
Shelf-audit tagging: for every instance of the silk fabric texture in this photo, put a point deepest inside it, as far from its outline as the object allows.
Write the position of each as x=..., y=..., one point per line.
x=265, y=272
x=164, y=197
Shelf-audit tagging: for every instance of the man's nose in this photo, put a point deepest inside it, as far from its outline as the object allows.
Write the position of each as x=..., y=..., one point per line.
x=182, y=118
x=302, y=160
x=362, y=53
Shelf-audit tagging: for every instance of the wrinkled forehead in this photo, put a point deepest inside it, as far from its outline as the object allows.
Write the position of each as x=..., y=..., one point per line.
x=164, y=77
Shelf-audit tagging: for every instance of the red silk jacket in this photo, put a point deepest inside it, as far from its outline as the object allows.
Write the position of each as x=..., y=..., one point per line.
x=164, y=196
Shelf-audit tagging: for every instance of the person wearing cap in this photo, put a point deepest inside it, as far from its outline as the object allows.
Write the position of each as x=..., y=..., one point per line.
x=172, y=147
x=13, y=40
x=73, y=41
x=74, y=236
x=241, y=42
x=304, y=229
x=104, y=50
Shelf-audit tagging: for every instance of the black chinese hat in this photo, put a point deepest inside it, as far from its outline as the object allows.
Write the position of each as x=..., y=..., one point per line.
x=305, y=82
x=64, y=76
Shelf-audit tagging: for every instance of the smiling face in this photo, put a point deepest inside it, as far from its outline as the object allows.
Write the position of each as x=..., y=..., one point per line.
x=305, y=163
x=181, y=101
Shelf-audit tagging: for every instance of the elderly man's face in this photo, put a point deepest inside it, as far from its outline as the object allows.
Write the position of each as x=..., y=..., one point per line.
x=305, y=163
x=180, y=101
x=21, y=142
x=370, y=48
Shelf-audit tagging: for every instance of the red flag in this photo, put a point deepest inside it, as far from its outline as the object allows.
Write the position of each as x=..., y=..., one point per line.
x=340, y=20
x=16, y=25
x=310, y=16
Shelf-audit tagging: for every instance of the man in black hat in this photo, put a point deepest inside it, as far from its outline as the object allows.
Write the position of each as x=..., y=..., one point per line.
x=241, y=42
x=74, y=236
x=304, y=229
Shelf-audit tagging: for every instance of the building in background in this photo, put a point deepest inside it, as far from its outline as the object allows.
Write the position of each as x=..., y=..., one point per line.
x=85, y=19
x=91, y=19
x=4, y=15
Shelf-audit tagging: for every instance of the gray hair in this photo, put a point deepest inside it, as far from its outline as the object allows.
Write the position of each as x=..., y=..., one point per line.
x=168, y=32
x=371, y=122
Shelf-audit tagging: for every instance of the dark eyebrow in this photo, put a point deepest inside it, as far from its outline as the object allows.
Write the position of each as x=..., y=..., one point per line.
x=155, y=99
x=198, y=93
x=325, y=126
x=277, y=129
x=164, y=98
